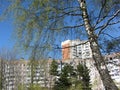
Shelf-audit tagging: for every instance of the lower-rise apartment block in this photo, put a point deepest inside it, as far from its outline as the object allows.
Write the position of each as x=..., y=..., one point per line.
x=113, y=65
x=20, y=73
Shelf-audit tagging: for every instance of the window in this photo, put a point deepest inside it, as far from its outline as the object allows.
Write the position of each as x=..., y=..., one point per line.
x=110, y=58
x=116, y=74
x=87, y=53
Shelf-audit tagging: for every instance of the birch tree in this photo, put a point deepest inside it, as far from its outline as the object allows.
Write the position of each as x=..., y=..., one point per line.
x=48, y=22
x=99, y=61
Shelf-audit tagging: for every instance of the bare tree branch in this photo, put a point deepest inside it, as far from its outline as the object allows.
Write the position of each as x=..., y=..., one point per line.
x=107, y=35
x=114, y=22
x=107, y=23
x=71, y=46
x=64, y=13
x=66, y=27
x=99, y=20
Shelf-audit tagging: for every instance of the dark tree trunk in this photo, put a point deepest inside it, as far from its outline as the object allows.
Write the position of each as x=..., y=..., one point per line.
x=99, y=61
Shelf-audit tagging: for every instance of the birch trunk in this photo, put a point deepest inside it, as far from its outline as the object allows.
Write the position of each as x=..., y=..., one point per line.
x=105, y=77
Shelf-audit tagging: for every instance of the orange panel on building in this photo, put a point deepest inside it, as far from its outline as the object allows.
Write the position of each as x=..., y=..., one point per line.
x=66, y=51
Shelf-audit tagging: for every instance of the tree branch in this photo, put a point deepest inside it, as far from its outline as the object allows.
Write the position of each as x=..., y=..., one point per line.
x=66, y=13
x=107, y=23
x=66, y=27
x=99, y=20
x=114, y=22
x=107, y=35
x=71, y=46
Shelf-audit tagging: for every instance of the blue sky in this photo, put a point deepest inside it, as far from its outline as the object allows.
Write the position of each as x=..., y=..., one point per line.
x=6, y=28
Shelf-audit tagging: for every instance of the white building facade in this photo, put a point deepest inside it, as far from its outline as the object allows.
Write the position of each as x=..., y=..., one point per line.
x=113, y=65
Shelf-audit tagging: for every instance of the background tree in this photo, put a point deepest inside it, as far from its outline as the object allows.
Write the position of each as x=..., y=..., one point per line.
x=83, y=76
x=113, y=45
x=64, y=83
x=69, y=80
x=53, y=72
x=36, y=87
x=110, y=46
x=53, y=68
x=21, y=87
x=44, y=22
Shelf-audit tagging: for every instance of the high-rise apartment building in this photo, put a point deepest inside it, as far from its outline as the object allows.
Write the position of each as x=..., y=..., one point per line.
x=72, y=49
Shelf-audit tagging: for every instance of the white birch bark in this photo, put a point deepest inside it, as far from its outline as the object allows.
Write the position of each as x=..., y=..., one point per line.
x=105, y=77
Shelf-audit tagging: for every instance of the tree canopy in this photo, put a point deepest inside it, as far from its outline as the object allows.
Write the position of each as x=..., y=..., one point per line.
x=46, y=23
x=53, y=68
x=41, y=25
